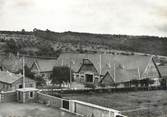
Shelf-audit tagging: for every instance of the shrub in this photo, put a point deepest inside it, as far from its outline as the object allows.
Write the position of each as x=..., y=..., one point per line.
x=92, y=86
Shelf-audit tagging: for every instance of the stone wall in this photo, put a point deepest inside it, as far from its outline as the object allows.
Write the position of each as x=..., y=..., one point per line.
x=9, y=96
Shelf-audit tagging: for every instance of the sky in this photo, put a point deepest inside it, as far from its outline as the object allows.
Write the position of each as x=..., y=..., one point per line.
x=132, y=17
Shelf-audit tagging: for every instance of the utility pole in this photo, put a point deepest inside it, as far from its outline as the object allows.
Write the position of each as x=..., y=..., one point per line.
x=114, y=72
x=138, y=72
x=23, y=74
x=70, y=73
x=100, y=64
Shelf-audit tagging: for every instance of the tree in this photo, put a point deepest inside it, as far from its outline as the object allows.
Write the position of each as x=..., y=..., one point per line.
x=135, y=82
x=39, y=80
x=163, y=82
x=28, y=72
x=146, y=82
x=60, y=75
x=23, y=31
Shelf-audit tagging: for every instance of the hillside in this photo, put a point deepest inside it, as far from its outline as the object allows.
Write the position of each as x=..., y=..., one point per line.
x=85, y=42
x=143, y=44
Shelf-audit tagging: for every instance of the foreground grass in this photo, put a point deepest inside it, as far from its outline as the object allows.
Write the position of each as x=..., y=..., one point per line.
x=132, y=104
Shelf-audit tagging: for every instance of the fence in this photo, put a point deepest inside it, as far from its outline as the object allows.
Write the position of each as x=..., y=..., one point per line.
x=59, y=92
x=73, y=106
x=92, y=110
x=49, y=100
x=9, y=96
x=77, y=107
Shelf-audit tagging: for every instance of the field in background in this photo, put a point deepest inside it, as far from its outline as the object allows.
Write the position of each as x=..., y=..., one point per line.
x=133, y=104
x=30, y=110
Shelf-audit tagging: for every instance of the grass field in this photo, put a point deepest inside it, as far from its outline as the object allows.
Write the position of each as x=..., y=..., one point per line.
x=132, y=104
x=30, y=110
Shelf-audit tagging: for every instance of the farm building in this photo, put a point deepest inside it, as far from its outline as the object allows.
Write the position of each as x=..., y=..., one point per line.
x=43, y=67
x=10, y=81
x=88, y=72
x=120, y=68
x=107, y=80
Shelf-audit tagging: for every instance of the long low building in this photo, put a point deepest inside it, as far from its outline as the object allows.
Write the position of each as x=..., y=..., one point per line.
x=93, y=68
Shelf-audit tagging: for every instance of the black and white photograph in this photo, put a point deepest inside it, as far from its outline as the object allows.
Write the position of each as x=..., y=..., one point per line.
x=83, y=58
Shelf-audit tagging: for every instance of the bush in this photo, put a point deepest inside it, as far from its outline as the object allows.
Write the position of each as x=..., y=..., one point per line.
x=92, y=86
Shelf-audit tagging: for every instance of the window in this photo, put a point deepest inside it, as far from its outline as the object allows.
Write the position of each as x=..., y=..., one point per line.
x=89, y=77
x=31, y=85
x=31, y=94
x=3, y=85
x=66, y=104
x=20, y=86
x=119, y=116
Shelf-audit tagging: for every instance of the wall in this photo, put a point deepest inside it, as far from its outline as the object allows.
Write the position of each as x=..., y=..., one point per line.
x=30, y=100
x=78, y=107
x=9, y=96
x=28, y=83
x=91, y=110
x=49, y=100
x=5, y=87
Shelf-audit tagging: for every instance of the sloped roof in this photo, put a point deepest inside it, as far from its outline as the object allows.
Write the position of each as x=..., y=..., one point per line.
x=2, y=56
x=163, y=70
x=88, y=67
x=107, y=61
x=109, y=80
x=126, y=66
x=122, y=75
x=14, y=63
x=74, y=60
x=9, y=78
x=45, y=65
x=11, y=63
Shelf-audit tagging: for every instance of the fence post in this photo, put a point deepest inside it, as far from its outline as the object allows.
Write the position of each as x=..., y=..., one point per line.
x=0, y=97
x=72, y=106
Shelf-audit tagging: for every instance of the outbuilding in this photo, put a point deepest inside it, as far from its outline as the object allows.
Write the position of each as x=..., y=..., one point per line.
x=10, y=81
x=25, y=95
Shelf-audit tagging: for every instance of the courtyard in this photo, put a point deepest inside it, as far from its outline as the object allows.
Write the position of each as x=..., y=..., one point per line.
x=31, y=110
